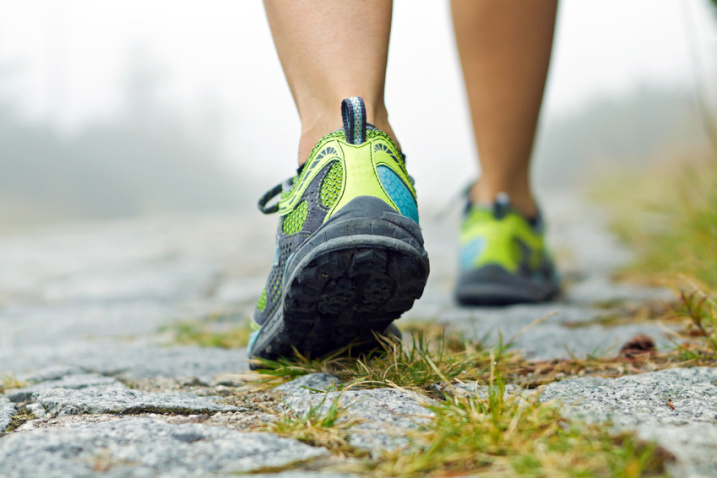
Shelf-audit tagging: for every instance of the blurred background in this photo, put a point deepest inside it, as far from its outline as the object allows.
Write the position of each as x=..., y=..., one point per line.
x=119, y=109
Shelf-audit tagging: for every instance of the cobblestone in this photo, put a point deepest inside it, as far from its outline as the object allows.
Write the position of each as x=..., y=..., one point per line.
x=82, y=309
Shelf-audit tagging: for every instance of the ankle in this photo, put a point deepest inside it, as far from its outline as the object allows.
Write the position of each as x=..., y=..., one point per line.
x=317, y=126
x=521, y=198
x=312, y=135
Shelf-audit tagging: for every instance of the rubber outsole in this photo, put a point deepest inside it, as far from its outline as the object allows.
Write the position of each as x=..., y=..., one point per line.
x=344, y=297
x=494, y=286
x=489, y=295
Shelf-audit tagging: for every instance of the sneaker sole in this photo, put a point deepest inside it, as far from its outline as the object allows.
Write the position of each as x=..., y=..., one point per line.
x=343, y=290
x=494, y=286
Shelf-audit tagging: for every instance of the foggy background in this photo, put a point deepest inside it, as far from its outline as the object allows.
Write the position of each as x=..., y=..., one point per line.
x=113, y=109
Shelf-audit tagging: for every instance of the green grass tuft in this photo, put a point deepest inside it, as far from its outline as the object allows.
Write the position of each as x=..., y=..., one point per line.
x=433, y=358
x=510, y=435
x=322, y=425
x=21, y=416
x=673, y=232
x=9, y=381
x=516, y=434
x=674, y=226
x=699, y=312
x=501, y=434
x=214, y=331
x=428, y=360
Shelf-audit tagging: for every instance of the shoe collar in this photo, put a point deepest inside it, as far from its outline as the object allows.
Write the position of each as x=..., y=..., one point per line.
x=502, y=207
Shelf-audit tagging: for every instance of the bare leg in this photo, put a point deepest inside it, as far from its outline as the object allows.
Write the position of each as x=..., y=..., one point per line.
x=504, y=48
x=330, y=51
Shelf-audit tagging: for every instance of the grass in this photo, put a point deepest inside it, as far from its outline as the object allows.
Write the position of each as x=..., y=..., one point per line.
x=9, y=381
x=499, y=435
x=699, y=340
x=322, y=425
x=674, y=226
x=518, y=435
x=675, y=241
x=214, y=331
x=622, y=314
x=21, y=416
x=502, y=434
x=427, y=361
x=431, y=358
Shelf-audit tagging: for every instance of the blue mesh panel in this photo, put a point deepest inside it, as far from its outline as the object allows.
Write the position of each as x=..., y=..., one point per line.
x=398, y=192
x=470, y=252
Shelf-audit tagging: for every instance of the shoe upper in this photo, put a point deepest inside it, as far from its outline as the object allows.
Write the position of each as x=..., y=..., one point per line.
x=358, y=160
x=497, y=235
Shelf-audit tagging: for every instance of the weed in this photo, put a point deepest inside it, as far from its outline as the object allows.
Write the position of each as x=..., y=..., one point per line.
x=623, y=314
x=501, y=434
x=322, y=425
x=424, y=363
x=674, y=230
x=215, y=331
x=699, y=313
x=674, y=241
x=516, y=434
x=9, y=381
x=21, y=416
x=418, y=366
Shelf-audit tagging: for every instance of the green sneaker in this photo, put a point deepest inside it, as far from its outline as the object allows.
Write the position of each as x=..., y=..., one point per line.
x=349, y=252
x=503, y=258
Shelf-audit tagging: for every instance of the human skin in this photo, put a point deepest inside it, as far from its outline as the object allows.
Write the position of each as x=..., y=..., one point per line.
x=504, y=47
x=332, y=50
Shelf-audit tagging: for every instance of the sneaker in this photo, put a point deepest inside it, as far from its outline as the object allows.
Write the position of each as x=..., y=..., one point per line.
x=503, y=258
x=349, y=251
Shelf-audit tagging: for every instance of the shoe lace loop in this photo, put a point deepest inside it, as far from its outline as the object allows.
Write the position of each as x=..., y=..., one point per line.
x=268, y=196
x=271, y=194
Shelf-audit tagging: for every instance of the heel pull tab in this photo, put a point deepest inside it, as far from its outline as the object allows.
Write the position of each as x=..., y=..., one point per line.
x=353, y=112
x=501, y=205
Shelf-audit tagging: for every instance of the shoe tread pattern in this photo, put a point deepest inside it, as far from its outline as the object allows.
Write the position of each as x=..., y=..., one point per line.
x=345, y=295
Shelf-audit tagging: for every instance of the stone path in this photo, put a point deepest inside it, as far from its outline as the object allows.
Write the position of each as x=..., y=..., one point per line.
x=81, y=314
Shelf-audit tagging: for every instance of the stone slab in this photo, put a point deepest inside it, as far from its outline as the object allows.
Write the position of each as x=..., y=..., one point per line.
x=676, y=396
x=53, y=372
x=677, y=408
x=7, y=410
x=136, y=359
x=550, y=337
x=384, y=415
x=315, y=381
x=59, y=402
x=72, y=382
x=693, y=444
x=146, y=447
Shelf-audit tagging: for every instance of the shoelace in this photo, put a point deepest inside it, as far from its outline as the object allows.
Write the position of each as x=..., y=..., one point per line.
x=271, y=194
